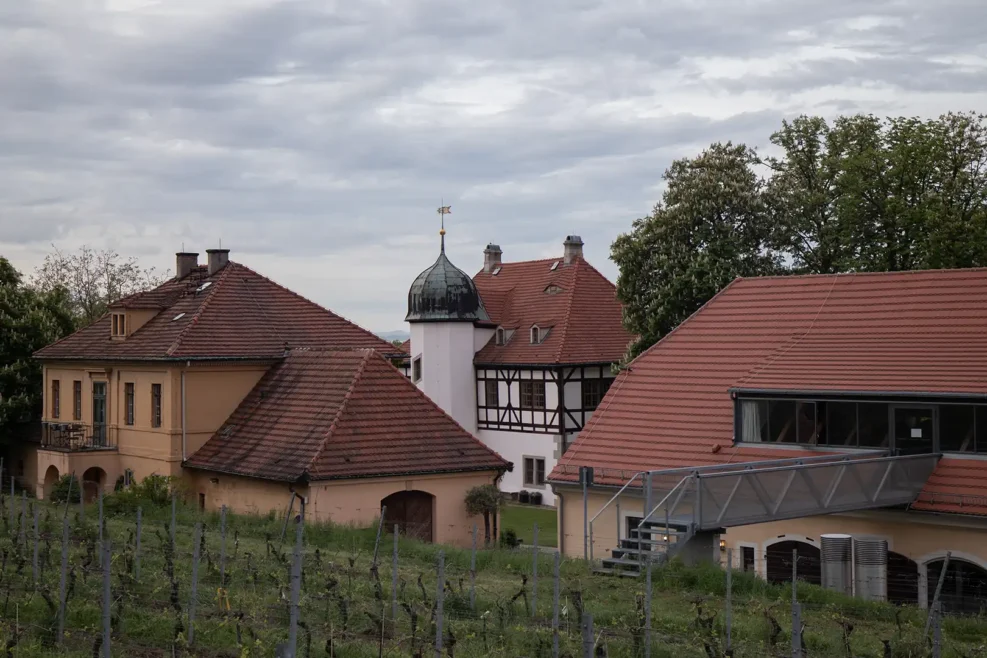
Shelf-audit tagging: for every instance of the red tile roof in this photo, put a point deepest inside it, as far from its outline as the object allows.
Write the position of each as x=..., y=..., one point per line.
x=575, y=302
x=672, y=406
x=320, y=415
x=235, y=313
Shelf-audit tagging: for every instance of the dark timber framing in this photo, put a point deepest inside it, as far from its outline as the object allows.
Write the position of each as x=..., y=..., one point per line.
x=566, y=417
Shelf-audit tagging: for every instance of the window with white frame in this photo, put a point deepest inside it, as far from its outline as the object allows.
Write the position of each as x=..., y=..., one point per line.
x=532, y=394
x=416, y=369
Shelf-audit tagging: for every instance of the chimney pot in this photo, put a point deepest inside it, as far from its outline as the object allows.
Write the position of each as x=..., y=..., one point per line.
x=218, y=258
x=491, y=257
x=572, y=248
x=185, y=262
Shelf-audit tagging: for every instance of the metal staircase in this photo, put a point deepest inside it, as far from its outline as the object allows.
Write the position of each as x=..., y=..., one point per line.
x=696, y=504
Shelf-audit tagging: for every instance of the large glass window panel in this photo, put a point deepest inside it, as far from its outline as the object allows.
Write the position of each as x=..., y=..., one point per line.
x=872, y=425
x=782, y=425
x=913, y=430
x=956, y=428
x=841, y=424
x=753, y=421
x=805, y=418
x=981, y=431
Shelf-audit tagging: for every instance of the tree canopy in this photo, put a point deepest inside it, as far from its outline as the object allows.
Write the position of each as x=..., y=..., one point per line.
x=862, y=194
x=29, y=320
x=93, y=279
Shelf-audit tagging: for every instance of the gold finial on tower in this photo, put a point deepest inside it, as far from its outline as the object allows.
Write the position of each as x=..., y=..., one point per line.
x=443, y=211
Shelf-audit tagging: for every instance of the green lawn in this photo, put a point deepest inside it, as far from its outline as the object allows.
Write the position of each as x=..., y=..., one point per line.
x=522, y=519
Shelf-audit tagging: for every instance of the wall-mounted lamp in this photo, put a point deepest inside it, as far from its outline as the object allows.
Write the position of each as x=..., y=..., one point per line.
x=723, y=544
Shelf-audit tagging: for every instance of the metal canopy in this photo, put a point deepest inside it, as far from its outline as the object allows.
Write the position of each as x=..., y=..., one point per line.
x=761, y=492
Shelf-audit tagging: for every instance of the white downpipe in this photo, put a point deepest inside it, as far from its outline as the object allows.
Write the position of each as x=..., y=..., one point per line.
x=184, y=456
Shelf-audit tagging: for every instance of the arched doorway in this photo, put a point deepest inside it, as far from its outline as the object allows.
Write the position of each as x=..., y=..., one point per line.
x=779, y=562
x=93, y=480
x=412, y=512
x=964, y=589
x=902, y=579
x=51, y=479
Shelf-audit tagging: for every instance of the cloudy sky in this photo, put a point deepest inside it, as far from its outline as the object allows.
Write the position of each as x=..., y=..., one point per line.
x=316, y=138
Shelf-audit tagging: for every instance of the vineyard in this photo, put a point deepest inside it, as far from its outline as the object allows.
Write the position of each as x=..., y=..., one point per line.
x=206, y=584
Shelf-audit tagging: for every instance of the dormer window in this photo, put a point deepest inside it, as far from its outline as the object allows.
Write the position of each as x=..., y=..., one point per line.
x=553, y=289
x=536, y=336
x=501, y=336
x=118, y=328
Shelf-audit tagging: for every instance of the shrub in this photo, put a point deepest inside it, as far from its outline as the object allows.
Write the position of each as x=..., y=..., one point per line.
x=65, y=484
x=153, y=491
x=509, y=539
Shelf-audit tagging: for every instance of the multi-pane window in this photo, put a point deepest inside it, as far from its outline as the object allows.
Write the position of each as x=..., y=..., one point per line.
x=119, y=324
x=128, y=392
x=56, y=402
x=593, y=392
x=534, y=471
x=155, y=405
x=905, y=428
x=77, y=400
x=491, y=393
x=532, y=394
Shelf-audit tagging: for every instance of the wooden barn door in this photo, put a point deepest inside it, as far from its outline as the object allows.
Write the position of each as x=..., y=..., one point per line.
x=412, y=512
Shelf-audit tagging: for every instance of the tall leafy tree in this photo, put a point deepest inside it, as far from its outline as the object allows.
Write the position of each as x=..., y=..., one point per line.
x=93, y=279
x=29, y=320
x=709, y=228
x=862, y=194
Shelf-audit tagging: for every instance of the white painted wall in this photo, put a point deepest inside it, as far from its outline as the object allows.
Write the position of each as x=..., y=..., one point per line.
x=446, y=349
x=514, y=446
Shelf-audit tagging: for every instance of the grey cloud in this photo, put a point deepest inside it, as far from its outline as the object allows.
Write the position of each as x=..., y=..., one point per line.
x=293, y=128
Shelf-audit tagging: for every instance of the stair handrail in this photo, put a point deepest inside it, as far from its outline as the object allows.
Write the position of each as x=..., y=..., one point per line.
x=682, y=484
x=616, y=497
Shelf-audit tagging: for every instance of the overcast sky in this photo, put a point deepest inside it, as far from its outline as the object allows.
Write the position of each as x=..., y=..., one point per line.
x=316, y=138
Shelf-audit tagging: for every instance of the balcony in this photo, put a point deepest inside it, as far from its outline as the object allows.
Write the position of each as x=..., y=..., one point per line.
x=76, y=437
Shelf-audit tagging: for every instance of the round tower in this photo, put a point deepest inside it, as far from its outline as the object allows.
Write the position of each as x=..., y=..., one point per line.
x=443, y=305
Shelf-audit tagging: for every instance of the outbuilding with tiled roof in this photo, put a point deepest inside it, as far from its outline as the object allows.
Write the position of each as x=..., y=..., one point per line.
x=782, y=367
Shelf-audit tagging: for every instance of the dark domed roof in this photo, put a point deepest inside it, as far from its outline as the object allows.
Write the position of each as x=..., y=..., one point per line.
x=444, y=293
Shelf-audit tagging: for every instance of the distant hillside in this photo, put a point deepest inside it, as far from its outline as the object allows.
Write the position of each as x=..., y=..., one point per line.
x=395, y=335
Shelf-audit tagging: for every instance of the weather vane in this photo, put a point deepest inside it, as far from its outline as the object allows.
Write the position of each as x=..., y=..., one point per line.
x=443, y=211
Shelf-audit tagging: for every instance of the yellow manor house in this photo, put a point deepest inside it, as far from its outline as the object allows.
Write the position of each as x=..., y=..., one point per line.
x=253, y=394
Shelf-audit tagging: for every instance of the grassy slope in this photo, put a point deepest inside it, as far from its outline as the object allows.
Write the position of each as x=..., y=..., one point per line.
x=522, y=518
x=339, y=601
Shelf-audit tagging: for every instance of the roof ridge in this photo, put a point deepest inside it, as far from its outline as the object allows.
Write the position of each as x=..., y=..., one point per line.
x=311, y=303
x=858, y=273
x=342, y=408
x=223, y=274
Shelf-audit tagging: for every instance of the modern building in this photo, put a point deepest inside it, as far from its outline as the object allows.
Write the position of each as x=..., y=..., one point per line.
x=520, y=354
x=222, y=359
x=789, y=408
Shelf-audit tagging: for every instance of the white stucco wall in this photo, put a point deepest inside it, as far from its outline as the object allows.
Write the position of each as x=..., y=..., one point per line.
x=514, y=447
x=446, y=349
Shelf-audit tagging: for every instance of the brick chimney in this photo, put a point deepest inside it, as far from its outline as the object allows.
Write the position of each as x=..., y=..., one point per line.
x=572, y=248
x=491, y=257
x=218, y=258
x=185, y=262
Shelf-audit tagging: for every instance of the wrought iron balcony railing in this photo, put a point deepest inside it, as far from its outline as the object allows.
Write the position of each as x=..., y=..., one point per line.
x=71, y=437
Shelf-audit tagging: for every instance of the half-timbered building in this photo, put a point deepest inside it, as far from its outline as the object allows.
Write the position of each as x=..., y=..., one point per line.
x=521, y=354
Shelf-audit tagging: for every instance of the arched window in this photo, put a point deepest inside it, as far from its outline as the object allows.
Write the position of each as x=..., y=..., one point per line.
x=535, y=335
x=964, y=589
x=778, y=557
x=500, y=335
